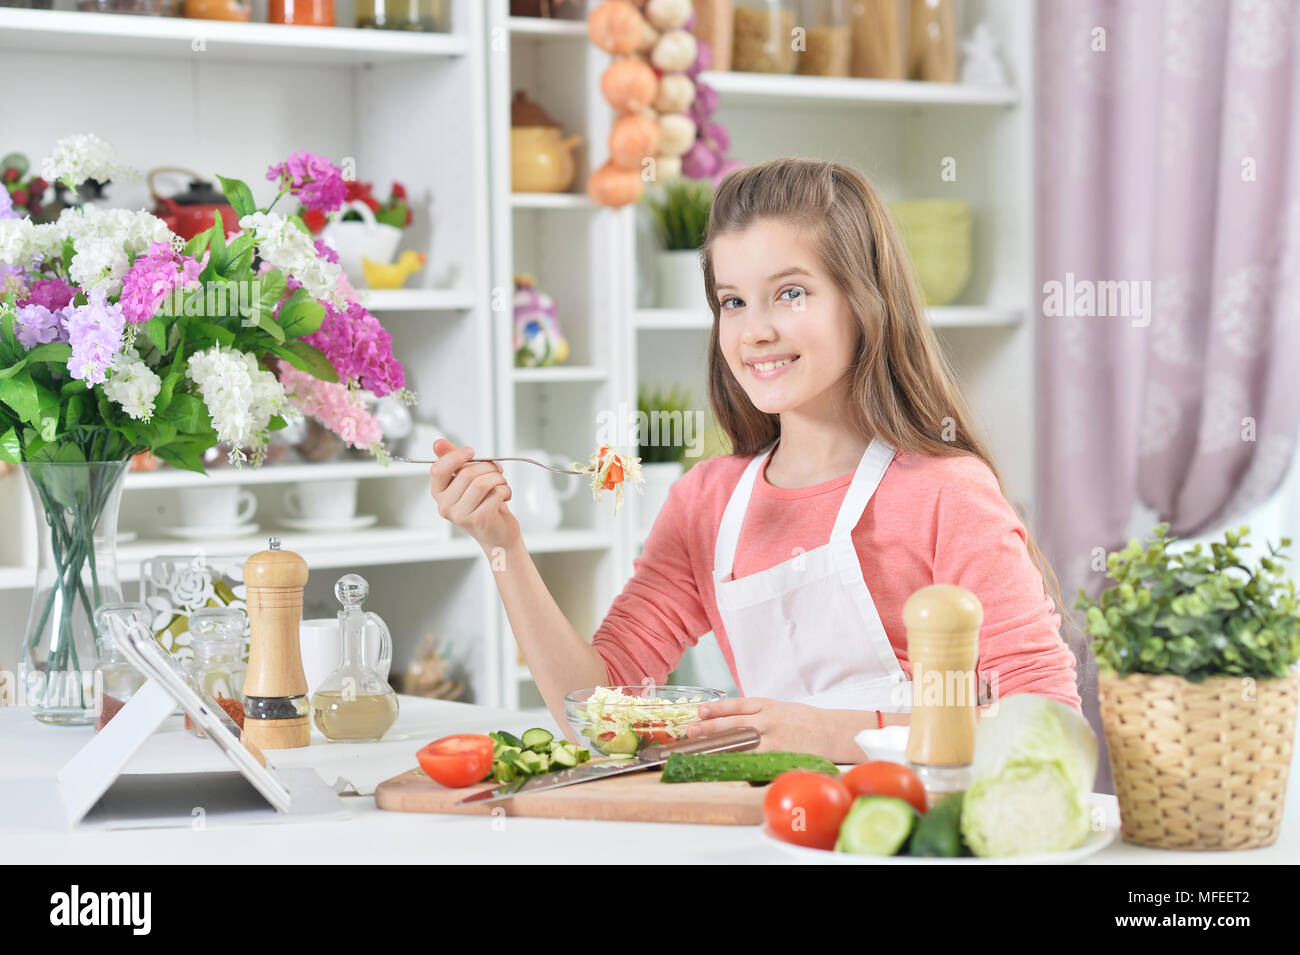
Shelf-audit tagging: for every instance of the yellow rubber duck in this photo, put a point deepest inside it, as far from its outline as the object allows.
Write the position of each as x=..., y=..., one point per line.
x=395, y=274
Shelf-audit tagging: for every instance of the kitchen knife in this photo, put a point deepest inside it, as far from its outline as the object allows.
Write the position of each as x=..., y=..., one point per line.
x=731, y=741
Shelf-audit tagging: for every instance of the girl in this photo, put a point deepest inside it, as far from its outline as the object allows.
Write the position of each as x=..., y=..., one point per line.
x=856, y=479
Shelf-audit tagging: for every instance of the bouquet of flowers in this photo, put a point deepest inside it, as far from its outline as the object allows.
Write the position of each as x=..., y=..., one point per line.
x=118, y=337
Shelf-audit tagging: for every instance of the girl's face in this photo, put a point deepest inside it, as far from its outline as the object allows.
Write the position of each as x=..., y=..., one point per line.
x=785, y=329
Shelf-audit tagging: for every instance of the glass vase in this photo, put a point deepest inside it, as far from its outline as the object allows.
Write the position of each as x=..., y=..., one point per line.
x=76, y=521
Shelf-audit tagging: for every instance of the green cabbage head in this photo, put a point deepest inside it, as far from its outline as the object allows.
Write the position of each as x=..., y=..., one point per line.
x=1031, y=779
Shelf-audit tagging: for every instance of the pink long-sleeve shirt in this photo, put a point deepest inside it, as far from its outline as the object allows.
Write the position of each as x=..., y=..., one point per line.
x=932, y=520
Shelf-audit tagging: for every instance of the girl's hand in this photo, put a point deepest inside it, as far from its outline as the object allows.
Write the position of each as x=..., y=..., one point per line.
x=789, y=727
x=472, y=496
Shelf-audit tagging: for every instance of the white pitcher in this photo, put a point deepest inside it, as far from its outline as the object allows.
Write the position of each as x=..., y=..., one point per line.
x=354, y=241
x=534, y=498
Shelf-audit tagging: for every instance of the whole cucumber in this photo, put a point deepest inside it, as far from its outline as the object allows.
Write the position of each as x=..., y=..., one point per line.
x=740, y=767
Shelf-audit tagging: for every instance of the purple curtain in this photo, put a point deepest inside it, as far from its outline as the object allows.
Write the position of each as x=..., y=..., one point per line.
x=1169, y=263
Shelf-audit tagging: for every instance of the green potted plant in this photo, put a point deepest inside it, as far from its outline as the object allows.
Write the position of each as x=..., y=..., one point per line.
x=680, y=209
x=1196, y=655
x=666, y=429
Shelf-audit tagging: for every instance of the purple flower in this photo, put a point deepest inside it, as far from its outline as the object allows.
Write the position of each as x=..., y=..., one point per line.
x=12, y=280
x=7, y=205
x=326, y=252
x=359, y=348
x=95, y=333
x=37, y=325
x=315, y=180
x=152, y=278
x=53, y=293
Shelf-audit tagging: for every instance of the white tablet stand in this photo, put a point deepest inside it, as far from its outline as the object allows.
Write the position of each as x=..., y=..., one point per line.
x=93, y=790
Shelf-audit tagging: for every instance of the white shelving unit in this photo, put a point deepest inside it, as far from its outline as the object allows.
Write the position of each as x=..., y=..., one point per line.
x=570, y=245
x=434, y=112
x=233, y=98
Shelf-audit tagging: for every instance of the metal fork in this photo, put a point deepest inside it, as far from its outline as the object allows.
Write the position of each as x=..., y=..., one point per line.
x=492, y=461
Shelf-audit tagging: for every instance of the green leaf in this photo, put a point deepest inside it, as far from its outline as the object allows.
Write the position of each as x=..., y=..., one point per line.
x=301, y=316
x=238, y=195
x=10, y=449
x=52, y=351
x=185, y=455
x=307, y=358
x=188, y=413
x=19, y=393
x=205, y=334
x=156, y=331
x=268, y=324
x=239, y=257
x=271, y=286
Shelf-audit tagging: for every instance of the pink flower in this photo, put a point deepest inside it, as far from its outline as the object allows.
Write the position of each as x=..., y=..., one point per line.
x=152, y=278
x=53, y=293
x=359, y=348
x=335, y=406
x=315, y=180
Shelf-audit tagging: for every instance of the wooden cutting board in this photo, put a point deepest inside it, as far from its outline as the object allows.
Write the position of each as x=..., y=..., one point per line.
x=632, y=797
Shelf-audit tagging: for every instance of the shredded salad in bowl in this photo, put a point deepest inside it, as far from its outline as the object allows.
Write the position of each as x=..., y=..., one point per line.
x=610, y=471
x=620, y=720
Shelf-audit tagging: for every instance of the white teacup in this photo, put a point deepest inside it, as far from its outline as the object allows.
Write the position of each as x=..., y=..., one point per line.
x=226, y=505
x=322, y=500
x=322, y=648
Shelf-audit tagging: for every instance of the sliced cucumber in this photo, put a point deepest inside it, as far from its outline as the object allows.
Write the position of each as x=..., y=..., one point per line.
x=748, y=767
x=515, y=758
x=532, y=760
x=565, y=757
x=876, y=826
x=538, y=740
x=510, y=740
x=503, y=772
x=625, y=743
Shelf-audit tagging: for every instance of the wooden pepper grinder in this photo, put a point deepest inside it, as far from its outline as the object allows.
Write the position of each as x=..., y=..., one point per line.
x=275, y=690
x=943, y=626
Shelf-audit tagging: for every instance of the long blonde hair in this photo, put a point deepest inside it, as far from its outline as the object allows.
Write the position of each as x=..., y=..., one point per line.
x=902, y=388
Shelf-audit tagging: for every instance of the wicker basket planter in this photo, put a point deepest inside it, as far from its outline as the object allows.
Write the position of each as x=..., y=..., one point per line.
x=1199, y=765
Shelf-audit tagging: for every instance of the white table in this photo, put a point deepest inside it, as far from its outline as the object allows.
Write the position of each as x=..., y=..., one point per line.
x=31, y=748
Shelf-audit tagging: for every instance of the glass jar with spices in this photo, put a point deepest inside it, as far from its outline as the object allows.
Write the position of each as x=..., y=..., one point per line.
x=429, y=16
x=763, y=36
x=303, y=13
x=116, y=681
x=827, y=46
x=218, y=667
x=240, y=11
x=148, y=8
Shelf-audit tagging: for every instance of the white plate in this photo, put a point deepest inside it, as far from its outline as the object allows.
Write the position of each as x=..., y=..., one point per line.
x=1096, y=841
x=320, y=525
x=211, y=533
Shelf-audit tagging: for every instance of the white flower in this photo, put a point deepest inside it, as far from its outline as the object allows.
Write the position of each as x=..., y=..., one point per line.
x=288, y=248
x=97, y=260
x=241, y=397
x=133, y=385
x=102, y=241
x=18, y=242
x=84, y=156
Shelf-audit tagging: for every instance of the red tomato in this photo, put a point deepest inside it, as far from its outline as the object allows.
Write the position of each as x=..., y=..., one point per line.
x=806, y=808
x=883, y=778
x=654, y=732
x=460, y=760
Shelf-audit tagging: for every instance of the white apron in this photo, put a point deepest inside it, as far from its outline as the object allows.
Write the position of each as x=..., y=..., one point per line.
x=807, y=629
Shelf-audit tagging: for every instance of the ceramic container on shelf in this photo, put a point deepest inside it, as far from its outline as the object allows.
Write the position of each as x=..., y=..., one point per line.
x=713, y=25
x=534, y=498
x=556, y=9
x=658, y=479
x=541, y=160
x=354, y=241
x=195, y=210
x=681, y=279
x=937, y=233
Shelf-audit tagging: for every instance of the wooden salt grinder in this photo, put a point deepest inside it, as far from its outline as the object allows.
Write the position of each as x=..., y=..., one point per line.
x=275, y=688
x=943, y=625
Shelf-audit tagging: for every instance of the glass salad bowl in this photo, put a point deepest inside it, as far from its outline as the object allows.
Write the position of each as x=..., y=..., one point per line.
x=620, y=720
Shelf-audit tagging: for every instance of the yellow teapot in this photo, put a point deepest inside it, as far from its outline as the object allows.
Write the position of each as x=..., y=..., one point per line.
x=540, y=159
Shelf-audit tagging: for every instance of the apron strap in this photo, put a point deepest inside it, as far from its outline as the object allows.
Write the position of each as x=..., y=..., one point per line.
x=733, y=518
x=875, y=460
